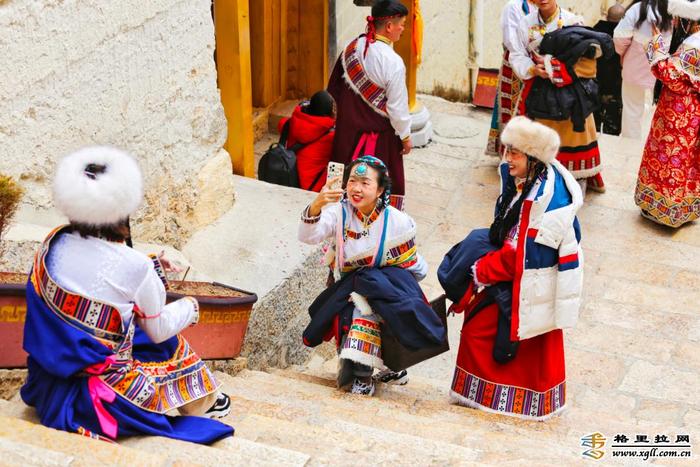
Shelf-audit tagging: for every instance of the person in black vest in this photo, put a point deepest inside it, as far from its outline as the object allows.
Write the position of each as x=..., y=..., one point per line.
x=608, y=117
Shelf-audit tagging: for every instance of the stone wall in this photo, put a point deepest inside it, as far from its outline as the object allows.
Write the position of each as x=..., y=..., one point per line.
x=133, y=74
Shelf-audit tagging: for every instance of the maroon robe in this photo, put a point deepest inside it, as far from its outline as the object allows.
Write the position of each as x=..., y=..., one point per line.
x=355, y=118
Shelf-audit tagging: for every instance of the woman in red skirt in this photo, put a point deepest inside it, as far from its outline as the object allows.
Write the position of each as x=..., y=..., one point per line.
x=525, y=286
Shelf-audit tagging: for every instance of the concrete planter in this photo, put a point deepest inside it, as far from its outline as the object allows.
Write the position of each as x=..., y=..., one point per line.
x=223, y=322
x=219, y=334
x=13, y=310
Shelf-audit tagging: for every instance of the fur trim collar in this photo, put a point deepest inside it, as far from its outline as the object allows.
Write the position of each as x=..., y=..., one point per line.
x=532, y=138
x=97, y=185
x=684, y=9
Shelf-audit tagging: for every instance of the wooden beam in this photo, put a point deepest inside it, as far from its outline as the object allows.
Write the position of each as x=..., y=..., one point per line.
x=267, y=33
x=307, y=47
x=234, y=71
x=293, y=58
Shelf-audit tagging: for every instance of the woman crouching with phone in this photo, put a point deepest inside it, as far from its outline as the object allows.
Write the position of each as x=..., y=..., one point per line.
x=377, y=269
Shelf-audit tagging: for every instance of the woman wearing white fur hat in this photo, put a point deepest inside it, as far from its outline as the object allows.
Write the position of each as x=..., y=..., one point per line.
x=519, y=283
x=96, y=312
x=668, y=185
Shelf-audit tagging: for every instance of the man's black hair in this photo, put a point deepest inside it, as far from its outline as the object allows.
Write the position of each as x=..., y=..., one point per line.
x=384, y=8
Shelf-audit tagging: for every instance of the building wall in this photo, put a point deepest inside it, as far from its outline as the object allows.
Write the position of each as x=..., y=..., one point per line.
x=447, y=54
x=133, y=74
x=350, y=21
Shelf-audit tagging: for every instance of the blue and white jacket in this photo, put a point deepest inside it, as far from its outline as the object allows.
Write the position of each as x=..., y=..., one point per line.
x=549, y=260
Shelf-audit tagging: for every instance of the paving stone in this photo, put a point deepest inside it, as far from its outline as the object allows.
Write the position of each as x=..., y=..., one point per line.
x=694, y=331
x=661, y=382
x=596, y=370
x=660, y=412
x=692, y=419
x=687, y=279
x=642, y=321
x=229, y=451
x=601, y=400
x=686, y=356
x=623, y=291
x=453, y=127
x=632, y=344
x=611, y=264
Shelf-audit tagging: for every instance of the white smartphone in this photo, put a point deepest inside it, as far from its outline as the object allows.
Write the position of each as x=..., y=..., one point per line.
x=335, y=169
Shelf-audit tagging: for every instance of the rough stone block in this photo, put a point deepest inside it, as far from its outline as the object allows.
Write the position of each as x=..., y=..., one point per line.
x=136, y=75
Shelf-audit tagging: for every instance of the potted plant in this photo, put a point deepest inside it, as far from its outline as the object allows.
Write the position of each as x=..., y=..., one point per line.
x=13, y=307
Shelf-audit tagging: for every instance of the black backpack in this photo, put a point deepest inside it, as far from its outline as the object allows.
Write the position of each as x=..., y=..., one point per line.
x=279, y=164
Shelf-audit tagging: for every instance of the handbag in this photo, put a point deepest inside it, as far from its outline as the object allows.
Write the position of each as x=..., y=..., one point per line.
x=279, y=163
x=397, y=357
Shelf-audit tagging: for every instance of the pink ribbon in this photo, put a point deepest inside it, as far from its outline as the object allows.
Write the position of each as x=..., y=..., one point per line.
x=100, y=391
x=368, y=141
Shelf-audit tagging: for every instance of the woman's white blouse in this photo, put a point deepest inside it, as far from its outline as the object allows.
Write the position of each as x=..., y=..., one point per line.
x=122, y=277
x=401, y=230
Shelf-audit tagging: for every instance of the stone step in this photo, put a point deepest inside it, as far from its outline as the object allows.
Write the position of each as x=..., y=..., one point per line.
x=348, y=425
x=230, y=450
x=82, y=450
x=299, y=401
x=300, y=397
x=333, y=441
x=18, y=454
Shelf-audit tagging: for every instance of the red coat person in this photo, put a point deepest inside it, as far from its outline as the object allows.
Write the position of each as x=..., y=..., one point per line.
x=312, y=160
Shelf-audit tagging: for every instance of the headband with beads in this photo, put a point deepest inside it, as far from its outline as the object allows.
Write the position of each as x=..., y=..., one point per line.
x=375, y=163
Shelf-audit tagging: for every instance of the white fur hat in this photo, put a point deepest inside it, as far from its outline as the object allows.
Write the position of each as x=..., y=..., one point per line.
x=97, y=185
x=684, y=9
x=532, y=138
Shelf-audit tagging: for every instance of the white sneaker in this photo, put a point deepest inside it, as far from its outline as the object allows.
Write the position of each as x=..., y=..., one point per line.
x=362, y=387
x=221, y=407
x=391, y=377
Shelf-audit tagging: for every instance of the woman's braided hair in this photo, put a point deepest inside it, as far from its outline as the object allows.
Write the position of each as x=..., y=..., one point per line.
x=507, y=217
x=384, y=178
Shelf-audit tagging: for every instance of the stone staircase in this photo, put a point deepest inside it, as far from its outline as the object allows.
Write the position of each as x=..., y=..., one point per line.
x=297, y=417
x=23, y=441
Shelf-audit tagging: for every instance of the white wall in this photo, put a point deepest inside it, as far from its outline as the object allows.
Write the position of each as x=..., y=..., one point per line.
x=134, y=74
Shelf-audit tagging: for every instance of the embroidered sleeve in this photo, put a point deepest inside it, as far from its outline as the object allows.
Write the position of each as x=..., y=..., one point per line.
x=675, y=80
x=195, y=305
x=313, y=230
x=160, y=270
x=308, y=219
x=419, y=269
x=158, y=320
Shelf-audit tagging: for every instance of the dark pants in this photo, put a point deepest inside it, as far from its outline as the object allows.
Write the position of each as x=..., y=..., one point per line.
x=608, y=117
